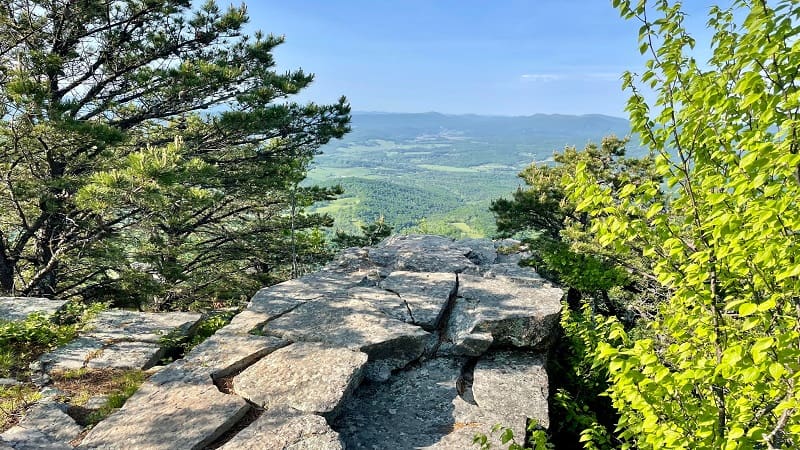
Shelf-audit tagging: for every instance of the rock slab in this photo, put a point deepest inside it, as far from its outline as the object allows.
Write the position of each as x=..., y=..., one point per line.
x=170, y=416
x=307, y=377
x=425, y=294
x=514, y=314
x=513, y=386
x=16, y=309
x=120, y=325
x=355, y=324
x=45, y=425
x=421, y=253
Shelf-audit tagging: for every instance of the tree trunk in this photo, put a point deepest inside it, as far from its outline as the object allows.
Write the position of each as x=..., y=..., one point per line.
x=6, y=276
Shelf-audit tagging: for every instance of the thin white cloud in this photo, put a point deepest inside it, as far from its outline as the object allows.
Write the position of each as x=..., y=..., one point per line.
x=543, y=77
x=548, y=77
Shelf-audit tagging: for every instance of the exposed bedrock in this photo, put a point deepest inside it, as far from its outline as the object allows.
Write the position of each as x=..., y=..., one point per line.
x=420, y=342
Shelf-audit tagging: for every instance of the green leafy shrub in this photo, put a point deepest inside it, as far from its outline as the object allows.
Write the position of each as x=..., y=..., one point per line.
x=537, y=438
x=208, y=326
x=717, y=367
x=21, y=342
x=177, y=344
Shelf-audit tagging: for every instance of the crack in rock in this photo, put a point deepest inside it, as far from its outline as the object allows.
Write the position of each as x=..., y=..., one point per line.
x=444, y=319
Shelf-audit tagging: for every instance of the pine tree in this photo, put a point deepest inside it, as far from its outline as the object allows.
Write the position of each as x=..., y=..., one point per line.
x=98, y=196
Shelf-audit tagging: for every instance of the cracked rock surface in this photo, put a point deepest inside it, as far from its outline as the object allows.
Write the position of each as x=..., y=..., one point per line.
x=420, y=342
x=310, y=378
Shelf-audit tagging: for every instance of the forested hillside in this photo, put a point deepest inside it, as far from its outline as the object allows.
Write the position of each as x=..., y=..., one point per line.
x=444, y=169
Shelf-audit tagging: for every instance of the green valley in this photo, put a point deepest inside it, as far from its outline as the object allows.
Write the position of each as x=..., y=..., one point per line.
x=438, y=173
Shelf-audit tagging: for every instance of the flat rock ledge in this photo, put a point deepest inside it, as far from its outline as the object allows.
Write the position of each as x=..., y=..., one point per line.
x=420, y=342
x=118, y=339
x=17, y=309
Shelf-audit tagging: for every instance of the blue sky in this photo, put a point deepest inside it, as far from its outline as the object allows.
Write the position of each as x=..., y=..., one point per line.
x=500, y=57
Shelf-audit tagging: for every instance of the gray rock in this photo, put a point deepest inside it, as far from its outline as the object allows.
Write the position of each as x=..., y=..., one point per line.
x=9, y=382
x=510, y=387
x=177, y=374
x=425, y=294
x=280, y=298
x=279, y=429
x=349, y=270
x=414, y=409
x=354, y=324
x=424, y=407
x=223, y=354
x=51, y=394
x=173, y=415
x=307, y=377
x=92, y=352
x=120, y=325
x=510, y=251
x=18, y=308
x=72, y=356
x=516, y=315
x=244, y=323
x=96, y=402
x=387, y=302
x=482, y=251
x=44, y=423
x=126, y=355
x=329, y=281
x=354, y=260
x=472, y=344
x=418, y=253
x=20, y=438
x=515, y=274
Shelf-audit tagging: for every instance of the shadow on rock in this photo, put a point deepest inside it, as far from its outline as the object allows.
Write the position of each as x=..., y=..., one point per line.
x=416, y=408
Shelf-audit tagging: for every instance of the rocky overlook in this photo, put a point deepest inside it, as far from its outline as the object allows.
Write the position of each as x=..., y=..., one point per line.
x=420, y=342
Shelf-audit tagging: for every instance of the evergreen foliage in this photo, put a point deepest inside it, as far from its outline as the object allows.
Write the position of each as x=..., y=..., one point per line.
x=371, y=234
x=150, y=155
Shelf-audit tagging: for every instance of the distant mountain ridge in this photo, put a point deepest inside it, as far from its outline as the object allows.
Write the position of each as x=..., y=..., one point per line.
x=377, y=125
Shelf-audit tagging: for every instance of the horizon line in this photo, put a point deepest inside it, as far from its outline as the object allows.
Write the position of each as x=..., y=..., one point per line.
x=489, y=115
